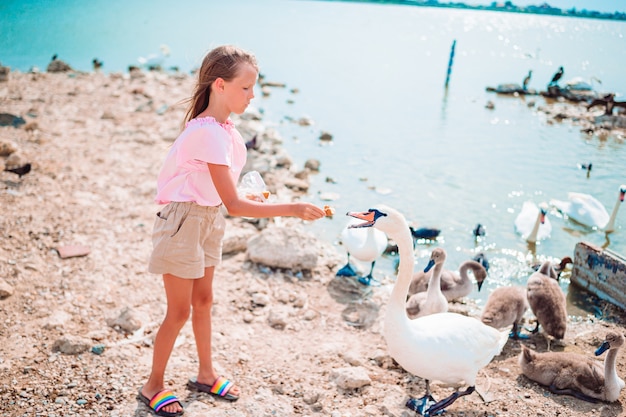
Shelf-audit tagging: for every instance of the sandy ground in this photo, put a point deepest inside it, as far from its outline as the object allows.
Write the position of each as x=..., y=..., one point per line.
x=96, y=143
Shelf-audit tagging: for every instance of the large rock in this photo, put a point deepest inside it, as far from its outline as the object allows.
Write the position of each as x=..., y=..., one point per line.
x=71, y=345
x=284, y=247
x=56, y=65
x=236, y=238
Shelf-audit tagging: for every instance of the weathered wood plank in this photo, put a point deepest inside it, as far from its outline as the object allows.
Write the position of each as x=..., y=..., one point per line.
x=602, y=272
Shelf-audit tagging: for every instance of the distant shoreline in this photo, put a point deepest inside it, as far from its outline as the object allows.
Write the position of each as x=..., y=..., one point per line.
x=544, y=9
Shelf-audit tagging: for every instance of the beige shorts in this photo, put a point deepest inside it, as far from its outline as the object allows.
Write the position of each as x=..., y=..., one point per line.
x=186, y=239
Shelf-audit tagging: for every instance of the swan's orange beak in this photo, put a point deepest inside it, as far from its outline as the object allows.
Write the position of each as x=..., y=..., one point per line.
x=543, y=216
x=366, y=216
x=622, y=192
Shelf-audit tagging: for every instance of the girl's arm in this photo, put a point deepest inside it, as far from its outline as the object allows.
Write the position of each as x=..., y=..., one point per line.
x=238, y=206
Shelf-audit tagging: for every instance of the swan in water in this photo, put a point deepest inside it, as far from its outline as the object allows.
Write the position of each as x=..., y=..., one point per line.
x=586, y=210
x=366, y=245
x=506, y=307
x=447, y=347
x=453, y=285
x=577, y=375
x=155, y=61
x=432, y=300
x=547, y=301
x=532, y=222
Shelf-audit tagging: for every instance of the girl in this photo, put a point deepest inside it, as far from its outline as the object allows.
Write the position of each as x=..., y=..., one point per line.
x=200, y=174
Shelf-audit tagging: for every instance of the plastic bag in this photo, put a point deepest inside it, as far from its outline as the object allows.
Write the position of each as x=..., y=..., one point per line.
x=253, y=187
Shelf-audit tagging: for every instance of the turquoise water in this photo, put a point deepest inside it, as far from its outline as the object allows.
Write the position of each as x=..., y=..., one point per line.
x=373, y=77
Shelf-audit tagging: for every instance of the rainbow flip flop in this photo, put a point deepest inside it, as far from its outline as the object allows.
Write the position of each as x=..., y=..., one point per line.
x=160, y=400
x=220, y=388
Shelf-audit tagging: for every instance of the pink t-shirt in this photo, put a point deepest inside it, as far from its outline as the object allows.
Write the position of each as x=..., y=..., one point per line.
x=185, y=175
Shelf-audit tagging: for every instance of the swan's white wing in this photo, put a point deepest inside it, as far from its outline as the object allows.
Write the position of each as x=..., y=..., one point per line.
x=562, y=206
x=526, y=218
x=587, y=210
x=446, y=347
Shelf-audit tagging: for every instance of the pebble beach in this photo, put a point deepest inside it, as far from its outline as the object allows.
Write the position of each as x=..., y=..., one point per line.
x=78, y=309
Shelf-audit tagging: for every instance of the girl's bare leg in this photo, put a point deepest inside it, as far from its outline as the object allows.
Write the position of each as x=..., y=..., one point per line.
x=202, y=303
x=179, y=295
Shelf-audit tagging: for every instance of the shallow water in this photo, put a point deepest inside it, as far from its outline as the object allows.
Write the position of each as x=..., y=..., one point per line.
x=373, y=77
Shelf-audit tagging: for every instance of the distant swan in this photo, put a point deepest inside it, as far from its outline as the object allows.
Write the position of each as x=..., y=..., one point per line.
x=547, y=301
x=155, y=61
x=447, y=347
x=505, y=307
x=586, y=210
x=532, y=222
x=366, y=245
x=573, y=374
x=453, y=285
x=432, y=300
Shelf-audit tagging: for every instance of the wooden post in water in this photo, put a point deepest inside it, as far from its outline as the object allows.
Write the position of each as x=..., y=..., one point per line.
x=450, y=62
x=601, y=272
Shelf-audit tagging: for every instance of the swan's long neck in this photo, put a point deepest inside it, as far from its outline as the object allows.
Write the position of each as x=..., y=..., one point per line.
x=405, y=273
x=532, y=237
x=610, y=226
x=434, y=284
x=611, y=379
x=370, y=240
x=466, y=266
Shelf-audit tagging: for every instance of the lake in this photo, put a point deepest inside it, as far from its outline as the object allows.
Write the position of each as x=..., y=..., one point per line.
x=373, y=77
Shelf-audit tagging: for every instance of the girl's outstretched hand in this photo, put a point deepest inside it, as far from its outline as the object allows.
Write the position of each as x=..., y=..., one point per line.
x=308, y=211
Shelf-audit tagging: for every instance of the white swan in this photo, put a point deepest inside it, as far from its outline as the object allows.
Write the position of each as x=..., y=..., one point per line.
x=586, y=210
x=574, y=374
x=155, y=61
x=532, y=222
x=366, y=245
x=454, y=284
x=432, y=300
x=446, y=347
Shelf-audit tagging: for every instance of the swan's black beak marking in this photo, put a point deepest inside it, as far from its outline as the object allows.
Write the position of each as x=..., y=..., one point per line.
x=369, y=217
x=603, y=348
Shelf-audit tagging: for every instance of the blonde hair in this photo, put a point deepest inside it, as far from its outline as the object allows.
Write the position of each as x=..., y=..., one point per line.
x=221, y=62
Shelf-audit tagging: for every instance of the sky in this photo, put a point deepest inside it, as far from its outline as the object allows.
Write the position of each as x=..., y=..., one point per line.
x=606, y=6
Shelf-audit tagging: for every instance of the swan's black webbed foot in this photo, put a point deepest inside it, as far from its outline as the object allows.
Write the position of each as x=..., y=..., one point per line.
x=420, y=405
x=368, y=280
x=518, y=336
x=573, y=393
x=439, y=407
x=515, y=333
x=346, y=271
